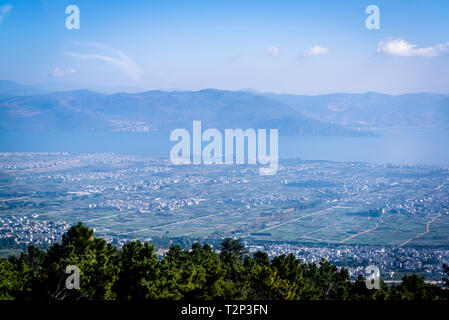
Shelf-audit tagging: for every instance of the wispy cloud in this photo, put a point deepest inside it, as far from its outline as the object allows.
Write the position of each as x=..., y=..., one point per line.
x=400, y=47
x=60, y=73
x=4, y=10
x=316, y=50
x=118, y=58
x=273, y=51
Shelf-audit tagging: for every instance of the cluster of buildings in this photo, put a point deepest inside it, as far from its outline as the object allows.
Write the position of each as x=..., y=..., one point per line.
x=147, y=205
x=392, y=262
x=21, y=231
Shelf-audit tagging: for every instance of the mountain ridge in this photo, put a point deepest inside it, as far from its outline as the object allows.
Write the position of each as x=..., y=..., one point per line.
x=340, y=114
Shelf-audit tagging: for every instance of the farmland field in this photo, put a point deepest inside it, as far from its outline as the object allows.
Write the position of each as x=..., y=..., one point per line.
x=145, y=196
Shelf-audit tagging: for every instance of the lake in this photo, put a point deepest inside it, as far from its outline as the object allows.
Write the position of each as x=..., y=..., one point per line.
x=418, y=146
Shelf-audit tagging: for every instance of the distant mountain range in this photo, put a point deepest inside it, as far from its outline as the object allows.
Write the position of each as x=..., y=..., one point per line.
x=373, y=110
x=27, y=108
x=9, y=88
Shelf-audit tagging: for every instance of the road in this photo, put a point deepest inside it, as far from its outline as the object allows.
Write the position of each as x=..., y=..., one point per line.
x=176, y=223
x=422, y=233
x=363, y=232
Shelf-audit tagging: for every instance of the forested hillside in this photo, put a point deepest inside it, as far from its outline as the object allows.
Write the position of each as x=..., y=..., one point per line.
x=135, y=273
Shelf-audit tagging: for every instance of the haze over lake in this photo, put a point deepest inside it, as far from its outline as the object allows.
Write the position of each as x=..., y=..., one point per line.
x=408, y=146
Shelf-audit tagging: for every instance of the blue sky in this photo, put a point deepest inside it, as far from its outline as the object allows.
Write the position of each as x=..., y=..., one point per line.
x=302, y=47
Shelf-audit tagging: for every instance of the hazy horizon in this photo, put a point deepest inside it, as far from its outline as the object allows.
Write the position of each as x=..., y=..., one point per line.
x=132, y=90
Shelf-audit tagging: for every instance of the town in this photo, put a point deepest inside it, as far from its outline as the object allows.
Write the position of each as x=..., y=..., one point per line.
x=352, y=214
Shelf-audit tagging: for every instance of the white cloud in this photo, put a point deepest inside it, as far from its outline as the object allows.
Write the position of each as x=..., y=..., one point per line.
x=60, y=73
x=122, y=61
x=400, y=47
x=274, y=51
x=4, y=10
x=316, y=50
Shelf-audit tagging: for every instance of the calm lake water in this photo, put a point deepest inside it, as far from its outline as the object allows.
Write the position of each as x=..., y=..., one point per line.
x=391, y=146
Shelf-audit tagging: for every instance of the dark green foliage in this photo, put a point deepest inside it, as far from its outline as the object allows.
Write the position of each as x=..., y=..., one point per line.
x=446, y=271
x=414, y=288
x=136, y=273
x=9, y=282
x=232, y=248
x=262, y=258
x=138, y=267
